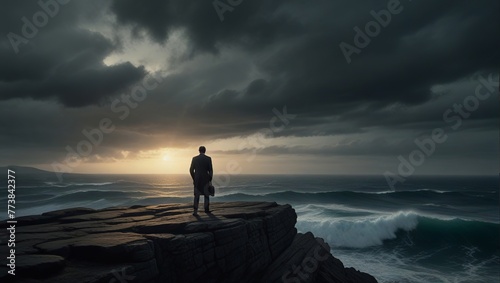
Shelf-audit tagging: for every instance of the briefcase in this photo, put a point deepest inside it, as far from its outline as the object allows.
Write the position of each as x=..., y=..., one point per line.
x=211, y=189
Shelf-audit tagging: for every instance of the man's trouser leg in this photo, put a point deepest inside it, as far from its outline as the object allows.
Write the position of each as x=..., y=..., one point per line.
x=196, y=202
x=206, y=203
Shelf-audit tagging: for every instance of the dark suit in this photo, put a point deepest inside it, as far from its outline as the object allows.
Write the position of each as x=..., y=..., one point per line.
x=202, y=172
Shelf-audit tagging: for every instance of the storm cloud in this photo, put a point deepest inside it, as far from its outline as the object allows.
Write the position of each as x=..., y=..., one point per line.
x=225, y=79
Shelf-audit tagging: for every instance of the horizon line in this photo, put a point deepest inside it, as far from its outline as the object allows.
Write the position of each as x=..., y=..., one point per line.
x=269, y=174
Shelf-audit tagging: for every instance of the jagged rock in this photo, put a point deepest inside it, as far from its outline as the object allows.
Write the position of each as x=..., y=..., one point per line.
x=239, y=242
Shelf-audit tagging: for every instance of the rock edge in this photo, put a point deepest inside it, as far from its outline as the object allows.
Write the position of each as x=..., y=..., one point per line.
x=238, y=242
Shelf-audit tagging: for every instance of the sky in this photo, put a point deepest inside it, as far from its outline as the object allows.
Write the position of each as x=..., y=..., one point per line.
x=392, y=88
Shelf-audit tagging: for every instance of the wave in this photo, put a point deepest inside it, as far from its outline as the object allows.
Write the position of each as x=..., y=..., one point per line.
x=65, y=185
x=402, y=228
x=368, y=199
x=419, y=190
x=360, y=233
x=432, y=232
x=90, y=195
x=122, y=183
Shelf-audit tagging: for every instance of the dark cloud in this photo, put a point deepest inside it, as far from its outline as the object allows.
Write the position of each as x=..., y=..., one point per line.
x=302, y=66
x=479, y=146
x=427, y=43
x=252, y=23
x=61, y=62
x=231, y=74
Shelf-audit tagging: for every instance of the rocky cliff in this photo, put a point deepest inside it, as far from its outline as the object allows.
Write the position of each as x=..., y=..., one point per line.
x=238, y=242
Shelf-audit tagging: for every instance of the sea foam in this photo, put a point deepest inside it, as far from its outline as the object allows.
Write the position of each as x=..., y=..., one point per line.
x=360, y=233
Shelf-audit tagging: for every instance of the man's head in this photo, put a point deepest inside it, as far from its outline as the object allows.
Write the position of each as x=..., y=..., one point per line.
x=202, y=149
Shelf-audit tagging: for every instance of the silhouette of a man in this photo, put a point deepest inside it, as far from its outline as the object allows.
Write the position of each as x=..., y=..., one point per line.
x=202, y=172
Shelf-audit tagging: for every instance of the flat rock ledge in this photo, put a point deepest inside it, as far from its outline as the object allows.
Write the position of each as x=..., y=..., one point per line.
x=238, y=242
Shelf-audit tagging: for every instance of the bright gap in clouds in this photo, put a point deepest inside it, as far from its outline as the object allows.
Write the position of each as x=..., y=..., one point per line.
x=141, y=51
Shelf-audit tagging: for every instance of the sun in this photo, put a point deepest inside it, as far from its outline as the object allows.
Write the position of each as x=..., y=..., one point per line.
x=166, y=157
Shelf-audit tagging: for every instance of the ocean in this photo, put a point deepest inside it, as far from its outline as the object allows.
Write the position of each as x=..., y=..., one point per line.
x=430, y=229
